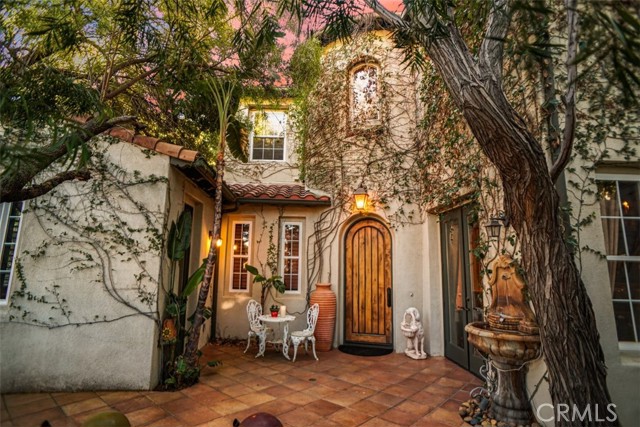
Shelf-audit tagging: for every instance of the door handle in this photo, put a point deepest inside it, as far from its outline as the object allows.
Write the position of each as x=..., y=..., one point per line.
x=388, y=297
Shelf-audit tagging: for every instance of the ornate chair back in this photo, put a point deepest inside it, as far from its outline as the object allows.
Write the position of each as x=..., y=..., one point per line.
x=312, y=317
x=254, y=310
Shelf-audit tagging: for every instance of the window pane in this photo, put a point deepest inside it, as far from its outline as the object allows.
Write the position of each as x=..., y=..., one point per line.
x=365, y=93
x=613, y=236
x=4, y=284
x=633, y=272
x=608, y=198
x=624, y=325
x=632, y=229
x=278, y=154
x=278, y=143
x=618, y=280
x=16, y=209
x=7, y=257
x=270, y=123
x=629, y=198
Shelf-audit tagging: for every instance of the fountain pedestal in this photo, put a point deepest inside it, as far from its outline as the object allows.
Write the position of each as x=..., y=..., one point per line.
x=510, y=339
x=508, y=351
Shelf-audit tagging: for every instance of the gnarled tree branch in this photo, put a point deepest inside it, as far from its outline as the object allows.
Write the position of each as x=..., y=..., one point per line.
x=46, y=186
x=491, y=51
x=569, y=98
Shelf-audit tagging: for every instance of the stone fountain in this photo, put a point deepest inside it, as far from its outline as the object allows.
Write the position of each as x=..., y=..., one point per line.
x=510, y=338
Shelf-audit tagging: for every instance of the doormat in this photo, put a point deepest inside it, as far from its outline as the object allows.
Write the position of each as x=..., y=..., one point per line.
x=358, y=350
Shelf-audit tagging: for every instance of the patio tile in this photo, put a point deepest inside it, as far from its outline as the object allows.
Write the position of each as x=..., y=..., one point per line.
x=160, y=397
x=168, y=422
x=443, y=416
x=180, y=405
x=118, y=396
x=349, y=417
x=236, y=390
x=22, y=398
x=254, y=399
x=197, y=415
x=84, y=406
x=379, y=422
x=53, y=415
x=322, y=407
x=196, y=389
x=386, y=399
x=66, y=398
x=299, y=418
x=131, y=405
x=415, y=408
x=229, y=406
x=30, y=407
x=145, y=416
x=218, y=422
x=338, y=391
x=368, y=407
x=210, y=397
x=302, y=399
x=399, y=417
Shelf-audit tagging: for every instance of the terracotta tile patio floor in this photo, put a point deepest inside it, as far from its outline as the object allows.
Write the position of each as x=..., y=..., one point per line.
x=339, y=390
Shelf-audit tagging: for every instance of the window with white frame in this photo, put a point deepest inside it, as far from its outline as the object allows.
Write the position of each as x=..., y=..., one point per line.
x=241, y=232
x=365, y=96
x=291, y=255
x=268, y=140
x=620, y=212
x=10, y=215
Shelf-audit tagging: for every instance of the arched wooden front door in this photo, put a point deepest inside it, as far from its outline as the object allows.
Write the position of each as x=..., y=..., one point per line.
x=368, y=292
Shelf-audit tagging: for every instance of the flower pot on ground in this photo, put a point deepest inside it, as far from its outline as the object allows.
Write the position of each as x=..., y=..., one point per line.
x=326, y=299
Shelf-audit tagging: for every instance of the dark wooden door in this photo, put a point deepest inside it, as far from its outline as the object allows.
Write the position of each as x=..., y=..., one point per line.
x=368, y=291
x=462, y=286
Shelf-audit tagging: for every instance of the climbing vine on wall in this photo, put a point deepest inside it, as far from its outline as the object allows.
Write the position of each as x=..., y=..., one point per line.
x=94, y=235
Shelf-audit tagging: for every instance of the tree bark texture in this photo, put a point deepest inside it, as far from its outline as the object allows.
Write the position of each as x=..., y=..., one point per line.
x=570, y=338
x=191, y=350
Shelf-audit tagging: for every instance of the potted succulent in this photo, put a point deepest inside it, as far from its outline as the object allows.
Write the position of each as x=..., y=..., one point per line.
x=274, y=310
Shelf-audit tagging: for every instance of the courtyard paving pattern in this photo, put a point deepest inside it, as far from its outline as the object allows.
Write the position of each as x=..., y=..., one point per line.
x=339, y=390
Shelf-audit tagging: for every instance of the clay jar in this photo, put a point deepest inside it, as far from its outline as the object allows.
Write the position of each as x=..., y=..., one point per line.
x=326, y=299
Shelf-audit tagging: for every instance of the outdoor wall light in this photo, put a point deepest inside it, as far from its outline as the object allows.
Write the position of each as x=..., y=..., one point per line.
x=218, y=243
x=361, y=197
x=493, y=228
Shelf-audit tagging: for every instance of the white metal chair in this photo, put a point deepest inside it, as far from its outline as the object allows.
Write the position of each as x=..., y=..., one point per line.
x=306, y=335
x=256, y=328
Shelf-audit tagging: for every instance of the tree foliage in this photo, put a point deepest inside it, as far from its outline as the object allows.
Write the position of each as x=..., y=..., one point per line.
x=72, y=69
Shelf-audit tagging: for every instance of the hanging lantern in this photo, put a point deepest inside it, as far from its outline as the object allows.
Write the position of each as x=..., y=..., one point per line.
x=361, y=197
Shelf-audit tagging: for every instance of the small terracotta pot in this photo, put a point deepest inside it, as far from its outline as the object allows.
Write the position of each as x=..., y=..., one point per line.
x=326, y=299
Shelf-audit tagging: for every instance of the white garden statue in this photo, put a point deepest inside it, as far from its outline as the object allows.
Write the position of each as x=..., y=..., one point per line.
x=413, y=330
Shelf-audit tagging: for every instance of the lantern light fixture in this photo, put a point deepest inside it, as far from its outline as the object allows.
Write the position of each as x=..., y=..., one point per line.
x=361, y=198
x=495, y=225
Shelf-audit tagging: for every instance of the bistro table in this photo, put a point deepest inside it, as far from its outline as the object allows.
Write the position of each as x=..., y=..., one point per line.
x=265, y=318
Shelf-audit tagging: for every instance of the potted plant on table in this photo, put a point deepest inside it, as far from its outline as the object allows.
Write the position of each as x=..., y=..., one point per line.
x=267, y=283
x=274, y=310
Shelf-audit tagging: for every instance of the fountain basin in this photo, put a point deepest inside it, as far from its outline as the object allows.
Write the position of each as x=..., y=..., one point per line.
x=510, y=347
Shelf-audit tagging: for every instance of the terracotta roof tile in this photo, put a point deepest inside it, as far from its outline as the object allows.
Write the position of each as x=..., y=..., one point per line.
x=277, y=193
x=155, y=144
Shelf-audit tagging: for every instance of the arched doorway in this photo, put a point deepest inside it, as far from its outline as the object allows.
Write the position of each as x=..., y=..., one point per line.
x=368, y=288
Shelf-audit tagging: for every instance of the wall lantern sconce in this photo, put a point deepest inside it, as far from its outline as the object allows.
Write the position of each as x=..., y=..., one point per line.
x=218, y=243
x=493, y=228
x=361, y=198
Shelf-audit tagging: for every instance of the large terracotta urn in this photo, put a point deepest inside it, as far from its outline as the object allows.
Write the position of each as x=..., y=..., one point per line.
x=326, y=299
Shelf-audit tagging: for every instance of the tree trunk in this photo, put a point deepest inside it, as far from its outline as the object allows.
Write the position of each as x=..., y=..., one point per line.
x=191, y=350
x=570, y=339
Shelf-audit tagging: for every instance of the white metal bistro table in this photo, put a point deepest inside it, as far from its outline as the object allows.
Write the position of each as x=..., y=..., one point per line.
x=265, y=318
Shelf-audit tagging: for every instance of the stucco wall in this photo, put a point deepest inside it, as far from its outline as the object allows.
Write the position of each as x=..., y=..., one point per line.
x=96, y=326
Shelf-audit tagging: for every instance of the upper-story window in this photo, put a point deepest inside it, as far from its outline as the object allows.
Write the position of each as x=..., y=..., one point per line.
x=620, y=212
x=269, y=135
x=10, y=215
x=365, y=93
